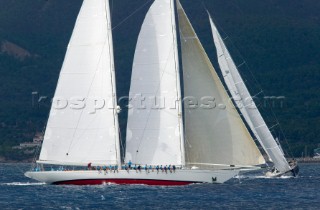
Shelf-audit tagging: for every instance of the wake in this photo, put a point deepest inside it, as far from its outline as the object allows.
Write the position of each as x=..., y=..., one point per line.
x=260, y=177
x=23, y=183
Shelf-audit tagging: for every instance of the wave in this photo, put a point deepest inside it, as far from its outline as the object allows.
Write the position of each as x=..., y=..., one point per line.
x=23, y=183
x=260, y=177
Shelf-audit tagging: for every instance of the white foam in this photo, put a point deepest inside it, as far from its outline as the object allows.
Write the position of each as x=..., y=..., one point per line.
x=260, y=177
x=23, y=183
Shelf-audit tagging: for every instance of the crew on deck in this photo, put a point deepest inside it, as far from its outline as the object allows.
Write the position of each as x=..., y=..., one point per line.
x=129, y=166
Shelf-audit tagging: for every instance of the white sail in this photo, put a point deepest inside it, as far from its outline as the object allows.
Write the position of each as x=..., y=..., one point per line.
x=246, y=105
x=83, y=124
x=154, y=131
x=216, y=134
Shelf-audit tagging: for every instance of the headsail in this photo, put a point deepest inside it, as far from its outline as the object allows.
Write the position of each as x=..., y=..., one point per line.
x=154, y=130
x=246, y=104
x=83, y=124
x=214, y=134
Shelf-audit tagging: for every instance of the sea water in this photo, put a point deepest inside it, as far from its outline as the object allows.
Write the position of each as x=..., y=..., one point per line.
x=247, y=191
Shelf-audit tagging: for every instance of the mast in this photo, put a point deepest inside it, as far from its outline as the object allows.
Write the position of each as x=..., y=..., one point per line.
x=114, y=88
x=83, y=122
x=214, y=132
x=154, y=129
x=178, y=85
x=245, y=103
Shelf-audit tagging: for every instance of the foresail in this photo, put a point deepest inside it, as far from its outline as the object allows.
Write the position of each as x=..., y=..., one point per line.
x=214, y=131
x=83, y=124
x=154, y=129
x=246, y=104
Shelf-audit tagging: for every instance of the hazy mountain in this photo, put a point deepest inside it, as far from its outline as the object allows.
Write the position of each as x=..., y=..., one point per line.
x=279, y=42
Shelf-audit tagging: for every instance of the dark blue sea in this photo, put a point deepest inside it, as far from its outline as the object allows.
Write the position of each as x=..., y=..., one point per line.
x=250, y=191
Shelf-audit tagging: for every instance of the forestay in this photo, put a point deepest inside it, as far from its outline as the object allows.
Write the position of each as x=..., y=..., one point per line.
x=214, y=132
x=246, y=104
x=154, y=130
x=83, y=124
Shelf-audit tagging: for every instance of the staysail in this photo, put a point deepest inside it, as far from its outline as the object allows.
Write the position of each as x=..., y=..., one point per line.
x=154, y=129
x=83, y=122
x=214, y=131
x=246, y=105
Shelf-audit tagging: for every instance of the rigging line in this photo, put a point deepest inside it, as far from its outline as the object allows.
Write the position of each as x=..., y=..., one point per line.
x=19, y=169
x=237, y=7
x=238, y=52
x=34, y=163
x=38, y=149
x=213, y=72
x=111, y=67
x=121, y=145
x=148, y=117
x=223, y=39
x=94, y=76
x=270, y=128
x=178, y=83
x=235, y=104
x=282, y=132
x=280, y=127
x=226, y=51
x=113, y=80
x=240, y=55
x=255, y=80
x=189, y=146
x=157, y=91
x=261, y=92
x=241, y=64
x=79, y=119
x=133, y=13
x=112, y=3
x=204, y=5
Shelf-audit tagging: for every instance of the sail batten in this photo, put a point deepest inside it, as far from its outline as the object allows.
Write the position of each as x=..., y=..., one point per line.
x=154, y=129
x=245, y=103
x=83, y=123
x=216, y=135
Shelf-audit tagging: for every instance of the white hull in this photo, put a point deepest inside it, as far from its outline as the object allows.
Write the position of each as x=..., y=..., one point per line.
x=280, y=174
x=293, y=172
x=94, y=177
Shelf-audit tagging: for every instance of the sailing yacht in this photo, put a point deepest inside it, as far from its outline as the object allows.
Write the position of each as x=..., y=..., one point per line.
x=205, y=142
x=249, y=110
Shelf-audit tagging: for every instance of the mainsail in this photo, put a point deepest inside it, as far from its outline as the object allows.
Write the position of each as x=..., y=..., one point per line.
x=83, y=122
x=154, y=129
x=246, y=105
x=216, y=134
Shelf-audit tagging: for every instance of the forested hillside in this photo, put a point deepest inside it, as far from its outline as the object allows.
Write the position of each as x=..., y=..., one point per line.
x=278, y=43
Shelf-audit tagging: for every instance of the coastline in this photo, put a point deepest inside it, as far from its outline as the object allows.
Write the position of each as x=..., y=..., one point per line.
x=4, y=160
x=308, y=160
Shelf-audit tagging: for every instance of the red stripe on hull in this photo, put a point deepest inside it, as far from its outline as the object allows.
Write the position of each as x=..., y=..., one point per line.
x=123, y=181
